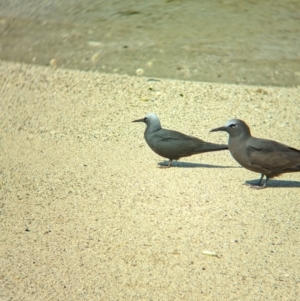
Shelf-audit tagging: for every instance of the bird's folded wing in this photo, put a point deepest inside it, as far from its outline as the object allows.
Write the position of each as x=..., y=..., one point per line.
x=269, y=160
x=169, y=135
x=270, y=155
x=174, y=144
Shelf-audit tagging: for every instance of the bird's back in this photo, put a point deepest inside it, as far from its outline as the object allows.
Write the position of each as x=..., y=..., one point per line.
x=265, y=156
x=174, y=145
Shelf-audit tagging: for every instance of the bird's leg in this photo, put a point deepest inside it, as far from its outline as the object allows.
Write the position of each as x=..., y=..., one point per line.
x=258, y=185
x=261, y=178
x=267, y=179
x=164, y=166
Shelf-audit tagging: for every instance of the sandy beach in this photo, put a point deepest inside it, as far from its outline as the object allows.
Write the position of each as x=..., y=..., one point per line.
x=86, y=213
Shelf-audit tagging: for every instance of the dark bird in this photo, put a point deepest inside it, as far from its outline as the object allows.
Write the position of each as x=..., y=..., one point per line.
x=267, y=157
x=172, y=144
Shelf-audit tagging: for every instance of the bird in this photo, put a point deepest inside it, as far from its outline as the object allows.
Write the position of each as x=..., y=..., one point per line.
x=171, y=144
x=267, y=157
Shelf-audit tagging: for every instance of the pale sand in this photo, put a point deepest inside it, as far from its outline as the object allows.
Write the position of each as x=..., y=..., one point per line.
x=87, y=215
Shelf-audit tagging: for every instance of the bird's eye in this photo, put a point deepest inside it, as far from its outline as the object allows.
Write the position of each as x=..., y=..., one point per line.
x=233, y=125
x=145, y=119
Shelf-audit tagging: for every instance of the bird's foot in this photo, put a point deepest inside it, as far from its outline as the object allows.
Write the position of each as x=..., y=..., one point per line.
x=163, y=166
x=257, y=186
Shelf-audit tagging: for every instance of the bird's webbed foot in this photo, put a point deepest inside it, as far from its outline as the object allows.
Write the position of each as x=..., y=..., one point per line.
x=166, y=166
x=259, y=185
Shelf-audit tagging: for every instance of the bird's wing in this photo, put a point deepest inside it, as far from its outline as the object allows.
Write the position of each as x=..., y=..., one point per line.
x=172, y=144
x=271, y=155
x=168, y=135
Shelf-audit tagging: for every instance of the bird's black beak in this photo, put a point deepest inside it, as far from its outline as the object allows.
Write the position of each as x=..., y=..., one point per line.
x=139, y=120
x=220, y=129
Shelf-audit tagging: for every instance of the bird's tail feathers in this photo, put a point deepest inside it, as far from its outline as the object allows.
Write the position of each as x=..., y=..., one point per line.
x=211, y=147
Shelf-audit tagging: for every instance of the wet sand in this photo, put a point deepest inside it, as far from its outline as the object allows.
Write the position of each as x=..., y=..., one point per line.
x=87, y=214
x=224, y=41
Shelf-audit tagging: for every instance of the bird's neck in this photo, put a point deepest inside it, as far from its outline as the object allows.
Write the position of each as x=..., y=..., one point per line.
x=152, y=129
x=237, y=140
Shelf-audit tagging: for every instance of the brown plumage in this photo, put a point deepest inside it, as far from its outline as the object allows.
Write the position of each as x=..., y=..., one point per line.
x=268, y=157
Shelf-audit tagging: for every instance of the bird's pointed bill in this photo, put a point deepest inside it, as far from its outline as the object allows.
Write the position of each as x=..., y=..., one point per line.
x=139, y=120
x=222, y=128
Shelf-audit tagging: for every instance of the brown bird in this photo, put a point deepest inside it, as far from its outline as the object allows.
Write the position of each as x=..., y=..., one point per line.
x=268, y=157
x=172, y=144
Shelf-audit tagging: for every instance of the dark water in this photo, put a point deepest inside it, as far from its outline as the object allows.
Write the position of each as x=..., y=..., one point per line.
x=253, y=42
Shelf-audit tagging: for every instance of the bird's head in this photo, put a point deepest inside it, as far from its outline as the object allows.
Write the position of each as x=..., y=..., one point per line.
x=151, y=121
x=234, y=127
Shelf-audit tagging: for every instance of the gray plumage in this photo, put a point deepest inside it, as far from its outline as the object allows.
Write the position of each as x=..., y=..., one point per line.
x=172, y=144
x=268, y=157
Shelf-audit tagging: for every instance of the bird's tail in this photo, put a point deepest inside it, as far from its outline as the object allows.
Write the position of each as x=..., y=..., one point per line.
x=211, y=147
